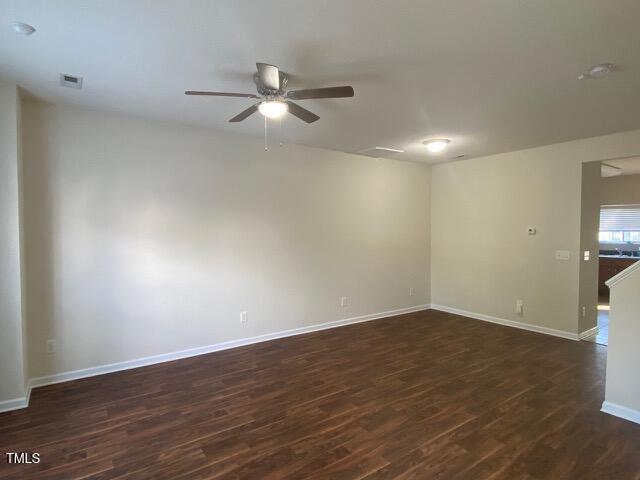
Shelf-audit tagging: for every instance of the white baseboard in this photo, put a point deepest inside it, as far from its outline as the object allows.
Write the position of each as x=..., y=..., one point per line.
x=509, y=323
x=16, y=403
x=620, y=411
x=192, y=352
x=592, y=332
x=23, y=402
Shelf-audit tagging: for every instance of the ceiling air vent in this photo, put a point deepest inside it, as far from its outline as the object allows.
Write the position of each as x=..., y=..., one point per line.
x=70, y=81
x=378, y=152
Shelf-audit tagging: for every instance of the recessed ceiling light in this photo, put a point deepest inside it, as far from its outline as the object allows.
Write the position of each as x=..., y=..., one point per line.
x=597, y=71
x=23, y=28
x=436, y=145
x=273, y=109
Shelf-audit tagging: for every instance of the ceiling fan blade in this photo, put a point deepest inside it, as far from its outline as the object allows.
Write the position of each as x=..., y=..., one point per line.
x=245, y=113
x=302, y=113
x=269, y=76
x=222, y=94
x=329, y=92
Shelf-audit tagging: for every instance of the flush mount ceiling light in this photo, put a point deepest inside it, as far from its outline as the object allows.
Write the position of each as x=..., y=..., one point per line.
x=272, y=108
x=437, y=145
x=23, y=28
x=597, y=71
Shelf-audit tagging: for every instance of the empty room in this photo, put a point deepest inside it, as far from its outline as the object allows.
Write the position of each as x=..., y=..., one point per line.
x=284, y=239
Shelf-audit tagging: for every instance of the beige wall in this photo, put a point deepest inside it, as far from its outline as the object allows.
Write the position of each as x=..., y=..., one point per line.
x=623, y=354
x=589, y=227
x=622, y=190
x=146, y=238
x=482, y=258
x=12, y=366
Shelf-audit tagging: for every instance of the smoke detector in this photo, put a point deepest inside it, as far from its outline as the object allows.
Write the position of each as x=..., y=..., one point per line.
x=23, y=28
x=597, y=71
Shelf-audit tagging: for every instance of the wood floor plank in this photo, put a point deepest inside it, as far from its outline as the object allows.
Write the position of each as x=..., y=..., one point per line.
x=420, y=396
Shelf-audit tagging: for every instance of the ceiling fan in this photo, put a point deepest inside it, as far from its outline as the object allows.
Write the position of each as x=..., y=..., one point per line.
x=274, y=98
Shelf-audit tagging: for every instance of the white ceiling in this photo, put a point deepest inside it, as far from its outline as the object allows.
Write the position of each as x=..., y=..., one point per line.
x=621, y=166
x=492, y=75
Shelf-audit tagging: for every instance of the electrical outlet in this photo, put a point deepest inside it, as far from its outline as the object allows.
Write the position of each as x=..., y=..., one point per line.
x=411, y=292
x=243, y=317
x=344, y=301
x=51, y=346
x=584, y=311
x=519, y=307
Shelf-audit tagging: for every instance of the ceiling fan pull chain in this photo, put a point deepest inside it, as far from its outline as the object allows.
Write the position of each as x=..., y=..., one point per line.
x=280, y=132
x=266, y=147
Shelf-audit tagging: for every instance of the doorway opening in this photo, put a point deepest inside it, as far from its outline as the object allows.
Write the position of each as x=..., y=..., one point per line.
x=618, y=231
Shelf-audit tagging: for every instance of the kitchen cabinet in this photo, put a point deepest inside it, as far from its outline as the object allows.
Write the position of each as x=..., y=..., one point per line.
x=610, y=267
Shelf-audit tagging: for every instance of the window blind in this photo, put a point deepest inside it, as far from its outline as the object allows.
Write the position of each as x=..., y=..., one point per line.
x=620, y=219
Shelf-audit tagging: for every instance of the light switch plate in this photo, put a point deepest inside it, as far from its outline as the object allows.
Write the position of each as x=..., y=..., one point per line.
x=563, y=254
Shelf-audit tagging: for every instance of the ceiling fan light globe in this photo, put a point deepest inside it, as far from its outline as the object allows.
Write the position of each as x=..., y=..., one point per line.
x=273, y=109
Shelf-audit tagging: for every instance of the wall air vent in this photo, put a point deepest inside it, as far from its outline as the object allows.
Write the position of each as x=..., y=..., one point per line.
x=378, y=152
x=70, y=81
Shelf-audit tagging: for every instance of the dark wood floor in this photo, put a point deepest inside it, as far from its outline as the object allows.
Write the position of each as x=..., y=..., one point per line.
x=420, y=396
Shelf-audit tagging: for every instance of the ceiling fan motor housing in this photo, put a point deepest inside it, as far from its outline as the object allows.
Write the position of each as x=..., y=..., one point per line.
x=269, y=92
